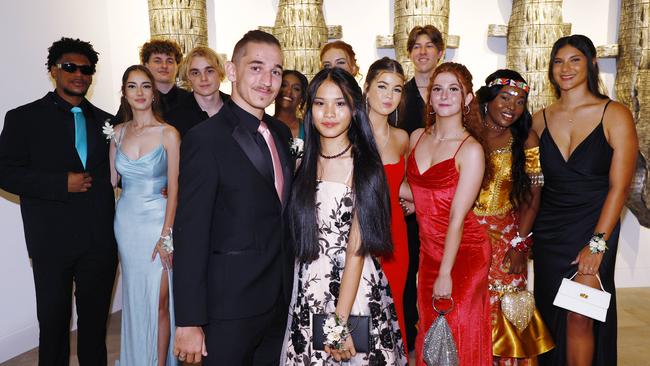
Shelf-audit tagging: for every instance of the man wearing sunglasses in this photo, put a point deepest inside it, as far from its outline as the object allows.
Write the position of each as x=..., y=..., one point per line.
x=54, y=156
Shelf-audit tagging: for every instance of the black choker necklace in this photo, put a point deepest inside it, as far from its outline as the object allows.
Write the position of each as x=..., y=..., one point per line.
x=336, y=155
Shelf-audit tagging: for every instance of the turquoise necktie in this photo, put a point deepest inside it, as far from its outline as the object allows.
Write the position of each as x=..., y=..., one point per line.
x=80, y=142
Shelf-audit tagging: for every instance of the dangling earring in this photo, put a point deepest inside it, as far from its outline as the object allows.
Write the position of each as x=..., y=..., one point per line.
x=485, y=109
x=466, y=110
x=396, y=117
x=366, y=105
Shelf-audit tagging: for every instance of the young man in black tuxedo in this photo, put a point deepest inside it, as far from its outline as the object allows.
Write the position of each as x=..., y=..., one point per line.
x=233, y=266
x=54, y=156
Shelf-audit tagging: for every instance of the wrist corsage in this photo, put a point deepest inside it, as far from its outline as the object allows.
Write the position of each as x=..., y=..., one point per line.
x=335, y=331
x=167, y=242
x=522, y=244
x=297, y=146
x=108, y=130
x=597, y=244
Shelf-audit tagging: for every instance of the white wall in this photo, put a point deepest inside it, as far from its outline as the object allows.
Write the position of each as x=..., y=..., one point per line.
x=118, y=27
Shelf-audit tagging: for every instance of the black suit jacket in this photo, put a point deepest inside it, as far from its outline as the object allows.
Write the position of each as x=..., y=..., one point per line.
x=37, y=150
x=188, y=113
x=232, y=257
x=412, y=116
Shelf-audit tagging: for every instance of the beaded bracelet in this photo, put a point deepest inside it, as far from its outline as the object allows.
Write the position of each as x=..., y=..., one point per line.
x=597, y=243
x=522, y=244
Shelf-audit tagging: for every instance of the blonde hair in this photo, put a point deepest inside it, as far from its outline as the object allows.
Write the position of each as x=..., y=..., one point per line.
x=207, y=53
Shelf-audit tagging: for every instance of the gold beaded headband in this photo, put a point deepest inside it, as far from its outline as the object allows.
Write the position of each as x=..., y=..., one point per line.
x=509, y=82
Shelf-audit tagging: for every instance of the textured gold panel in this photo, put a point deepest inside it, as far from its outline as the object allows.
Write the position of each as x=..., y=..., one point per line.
x=300, y=27
x=607, y=51
x=497, y=30
x=633, y=90
x=533, y=28
x=184, y=21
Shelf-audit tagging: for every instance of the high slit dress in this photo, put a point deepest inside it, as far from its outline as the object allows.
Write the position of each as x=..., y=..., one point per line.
x=573, y=196
x=139, y=218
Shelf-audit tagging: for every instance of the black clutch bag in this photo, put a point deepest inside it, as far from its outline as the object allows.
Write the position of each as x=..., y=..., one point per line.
x=359, y=330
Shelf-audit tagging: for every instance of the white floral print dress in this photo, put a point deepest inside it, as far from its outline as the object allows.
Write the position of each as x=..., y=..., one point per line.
x=316, y=290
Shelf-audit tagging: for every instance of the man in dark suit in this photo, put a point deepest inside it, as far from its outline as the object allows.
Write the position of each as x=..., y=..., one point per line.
x=233, y=264
x=54, y=156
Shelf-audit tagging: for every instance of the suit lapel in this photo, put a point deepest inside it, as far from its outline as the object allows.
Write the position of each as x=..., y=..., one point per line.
x=250, y=148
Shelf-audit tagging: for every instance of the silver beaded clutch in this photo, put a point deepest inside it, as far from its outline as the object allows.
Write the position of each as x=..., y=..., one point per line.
x=439, y=347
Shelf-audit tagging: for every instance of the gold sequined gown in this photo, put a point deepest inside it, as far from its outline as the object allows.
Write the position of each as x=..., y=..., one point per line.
x=495, y=211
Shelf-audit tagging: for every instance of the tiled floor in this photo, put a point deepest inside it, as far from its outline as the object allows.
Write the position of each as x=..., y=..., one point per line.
x=633, y=332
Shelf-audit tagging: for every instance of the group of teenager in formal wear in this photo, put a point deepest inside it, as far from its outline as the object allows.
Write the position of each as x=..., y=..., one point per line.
x=250, y=239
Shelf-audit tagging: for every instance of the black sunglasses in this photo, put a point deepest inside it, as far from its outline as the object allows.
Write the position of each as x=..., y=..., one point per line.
x=71, y=67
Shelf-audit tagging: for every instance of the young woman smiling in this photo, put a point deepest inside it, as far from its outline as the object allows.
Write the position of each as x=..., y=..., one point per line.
x=588, y=150
x=445, y=172
x=507, y=206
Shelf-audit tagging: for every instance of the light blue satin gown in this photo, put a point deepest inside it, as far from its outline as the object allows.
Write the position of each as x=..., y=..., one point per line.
x=139, y=217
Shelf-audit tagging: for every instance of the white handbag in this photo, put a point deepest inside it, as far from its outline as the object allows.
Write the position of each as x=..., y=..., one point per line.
x=583, y=299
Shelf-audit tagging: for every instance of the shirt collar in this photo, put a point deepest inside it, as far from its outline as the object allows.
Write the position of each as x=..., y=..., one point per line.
x=64, y=105
x=247, y=120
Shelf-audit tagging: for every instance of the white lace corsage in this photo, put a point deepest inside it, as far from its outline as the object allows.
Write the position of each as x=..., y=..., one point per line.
x=297, y=147
x=108, y=130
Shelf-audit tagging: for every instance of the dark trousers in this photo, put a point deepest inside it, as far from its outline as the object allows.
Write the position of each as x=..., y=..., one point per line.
x=250, y=341
x=93, y=273
x=410, y=290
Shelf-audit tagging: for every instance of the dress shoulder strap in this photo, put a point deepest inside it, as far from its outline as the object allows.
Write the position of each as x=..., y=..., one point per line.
x=604, y=110
x=544, y=114
x=461, y=145
x=118, y=142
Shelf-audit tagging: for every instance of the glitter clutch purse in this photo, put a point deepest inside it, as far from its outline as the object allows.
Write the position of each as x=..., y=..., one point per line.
x=439, y=347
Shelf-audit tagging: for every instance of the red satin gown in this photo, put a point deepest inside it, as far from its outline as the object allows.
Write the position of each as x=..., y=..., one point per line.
x=396, y=265
x=433, y=191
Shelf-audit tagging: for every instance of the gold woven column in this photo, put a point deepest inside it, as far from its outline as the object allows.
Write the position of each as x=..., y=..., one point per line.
x=533, y=28
x=184, y=21
x=633, y=90
x=408, y=14
x=300, y=28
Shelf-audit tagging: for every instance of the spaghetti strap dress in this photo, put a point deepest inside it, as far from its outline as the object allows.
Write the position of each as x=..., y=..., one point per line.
x=395, y=266
x=139, y=218
x=469, y=321
x=572, y=198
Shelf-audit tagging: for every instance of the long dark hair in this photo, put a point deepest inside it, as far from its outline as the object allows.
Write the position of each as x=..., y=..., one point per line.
x=380, y=66
x=520, y=192
x=472, y=120
x=587, y=48
x=372, y=207
x=125, y=107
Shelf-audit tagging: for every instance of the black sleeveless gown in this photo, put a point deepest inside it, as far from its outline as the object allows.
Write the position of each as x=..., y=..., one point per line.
x=572, y=198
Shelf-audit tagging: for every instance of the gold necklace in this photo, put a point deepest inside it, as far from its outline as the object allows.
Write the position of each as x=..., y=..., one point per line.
x=135, y=132
x=448, y=138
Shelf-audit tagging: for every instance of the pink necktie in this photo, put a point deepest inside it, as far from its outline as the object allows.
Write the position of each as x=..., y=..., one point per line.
x=277, y=168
